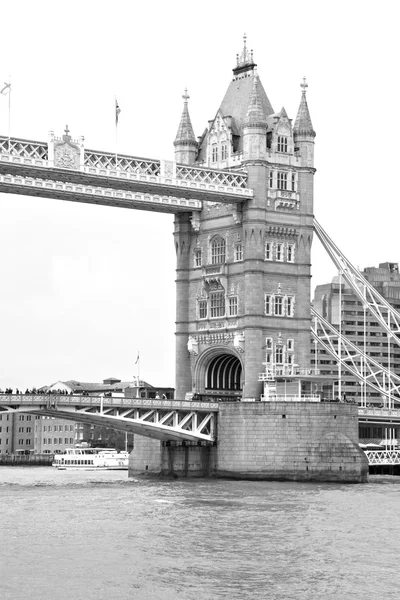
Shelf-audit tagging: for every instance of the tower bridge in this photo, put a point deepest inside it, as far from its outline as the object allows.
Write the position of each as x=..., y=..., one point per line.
x=242, y=196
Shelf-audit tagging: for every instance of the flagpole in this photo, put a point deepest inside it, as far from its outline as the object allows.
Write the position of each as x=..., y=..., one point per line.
x=9, y=116
x=116, y=133
x=138, y=374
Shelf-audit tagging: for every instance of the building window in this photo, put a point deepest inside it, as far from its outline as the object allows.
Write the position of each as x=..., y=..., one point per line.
x=233, y=306
x=197, y=257
x=271, y=179
x=279, y=355
x=202, y=309
x=278, y=306
x=290, y=306
x=28, y=442
x=268, y=304
x=290, y=253
x=29, y=418
x=293, y=182
x=20, y=442
x=238, y=252
x=20, y=430
x=290, y=345
x=282, y=180
x=282, y=143
x=279, y=252
x=224, y=151
x=21, y=418
x=268, y=251
x=218, y=251
x=217, y=304
x=268, y=343
x=214, y=153
x=29, y=430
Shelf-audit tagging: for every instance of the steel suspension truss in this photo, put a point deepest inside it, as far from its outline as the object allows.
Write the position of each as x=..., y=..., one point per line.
x=383, y=457
x=162, y=420
x=380, y=308
x=366, y=369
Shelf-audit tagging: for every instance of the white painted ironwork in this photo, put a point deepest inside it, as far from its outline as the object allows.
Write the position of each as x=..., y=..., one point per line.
x=387, y=415
x=97, y=195
x=23, y=148
x=383, y=457
x=384, y=312
x=202, y=175
x=352, y=358
x=159, y=419
x=128, y=164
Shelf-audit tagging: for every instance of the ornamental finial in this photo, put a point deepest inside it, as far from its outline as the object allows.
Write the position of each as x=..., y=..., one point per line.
x=186, y=96
x=304, y=85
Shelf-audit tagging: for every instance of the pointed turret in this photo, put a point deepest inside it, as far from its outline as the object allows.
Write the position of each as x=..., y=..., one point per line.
x=185, y=142
x=255, y=126
x=303, y=125
x=303, y=132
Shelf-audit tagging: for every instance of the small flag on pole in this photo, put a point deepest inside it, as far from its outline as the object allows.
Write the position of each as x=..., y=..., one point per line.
x=137, y=360
x=117, y=111
x=6, y=89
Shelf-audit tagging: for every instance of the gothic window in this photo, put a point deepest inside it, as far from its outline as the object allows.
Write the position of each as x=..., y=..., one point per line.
x=218, y=251
x=271, y=179
x=238, y=252
x=233, y=306
x=224, y=151
x=290, y=253
x=282, y=180
x=197, y=257
x=279, y=252
x=293, y=182
x=214, y=153
x=268, y=304
x=202, y=309
x=279, y=355
x=268, y=251
x=282, y=143
x=290, y=306
x=278, y=306
x=217, y=304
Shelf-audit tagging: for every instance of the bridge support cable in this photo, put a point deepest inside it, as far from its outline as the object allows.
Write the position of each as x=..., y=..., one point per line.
x=367, y=370
x=380, y=308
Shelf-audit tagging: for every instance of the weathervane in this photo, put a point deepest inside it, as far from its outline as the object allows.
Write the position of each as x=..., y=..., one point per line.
x=304, y=85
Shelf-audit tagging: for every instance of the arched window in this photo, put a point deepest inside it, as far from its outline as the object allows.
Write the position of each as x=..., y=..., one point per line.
x=218, y=251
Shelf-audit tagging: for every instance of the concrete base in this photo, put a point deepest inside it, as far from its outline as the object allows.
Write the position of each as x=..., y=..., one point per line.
x=295, y=441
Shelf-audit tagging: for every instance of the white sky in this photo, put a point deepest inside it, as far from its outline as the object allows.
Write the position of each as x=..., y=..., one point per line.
x=83, y=288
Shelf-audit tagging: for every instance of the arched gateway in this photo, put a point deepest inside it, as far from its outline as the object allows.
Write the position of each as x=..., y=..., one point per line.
x=218, y=373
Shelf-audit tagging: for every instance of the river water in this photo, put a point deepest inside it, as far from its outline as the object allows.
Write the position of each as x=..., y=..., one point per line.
x=102, y=536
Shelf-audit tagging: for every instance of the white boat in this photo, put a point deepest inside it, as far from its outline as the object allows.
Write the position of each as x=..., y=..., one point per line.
x=91, y=459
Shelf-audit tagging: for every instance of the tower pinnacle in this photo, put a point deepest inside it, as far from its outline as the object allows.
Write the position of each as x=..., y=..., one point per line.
x=185, y=142
x=303, y=124
x=244, y=60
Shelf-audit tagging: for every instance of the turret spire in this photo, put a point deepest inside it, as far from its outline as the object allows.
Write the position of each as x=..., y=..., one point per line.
x=255, y=116
x=185, y=142
x=303, y=124
x=244, y=60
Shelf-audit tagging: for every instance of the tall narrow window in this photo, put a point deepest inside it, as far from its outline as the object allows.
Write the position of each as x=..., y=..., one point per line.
x=238, y=252
x=290, y=253
x=214, y=153
x=282, y=143
x=233, y=306
x=271, y=179
x=279, y=355
x=290, y=306
x=279, y=252
x=218, y=251
x=197, y=257
x=290, y=345
x=268, y=251
x=202, y=309
x=217, y=304
x=268, y=343
x=224, y=151
x=282, y=180
x=278, y=306
x=268, y=304
x=293, y=182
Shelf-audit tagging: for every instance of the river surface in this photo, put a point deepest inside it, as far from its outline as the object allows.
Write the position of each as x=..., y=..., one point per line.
x=102, y=536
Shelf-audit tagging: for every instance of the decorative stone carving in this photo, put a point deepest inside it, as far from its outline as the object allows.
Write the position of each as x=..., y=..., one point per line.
x=66, y=154
x=193, y=346
x=238, y=341
x=196, y=220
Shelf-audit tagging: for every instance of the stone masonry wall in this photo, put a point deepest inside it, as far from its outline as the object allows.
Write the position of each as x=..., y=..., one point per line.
x=290, y=440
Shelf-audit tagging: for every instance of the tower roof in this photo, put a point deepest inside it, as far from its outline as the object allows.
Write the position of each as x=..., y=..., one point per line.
x=255, y=115
x=185, y=134
x=303, y=122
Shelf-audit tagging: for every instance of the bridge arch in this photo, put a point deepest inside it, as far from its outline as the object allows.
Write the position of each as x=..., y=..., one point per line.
x=219, y=369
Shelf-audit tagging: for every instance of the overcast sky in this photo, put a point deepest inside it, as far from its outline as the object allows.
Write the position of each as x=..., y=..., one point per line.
x=83, y=287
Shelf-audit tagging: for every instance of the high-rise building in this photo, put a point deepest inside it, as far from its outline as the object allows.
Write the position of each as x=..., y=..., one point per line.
x=243, y=269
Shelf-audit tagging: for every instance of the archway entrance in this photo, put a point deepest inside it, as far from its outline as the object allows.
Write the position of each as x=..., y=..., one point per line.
x=224, y=374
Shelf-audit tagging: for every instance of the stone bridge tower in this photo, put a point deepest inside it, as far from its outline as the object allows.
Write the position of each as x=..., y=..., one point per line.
x=243, y=271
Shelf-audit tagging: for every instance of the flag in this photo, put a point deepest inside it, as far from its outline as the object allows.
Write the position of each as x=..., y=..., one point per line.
x=137, y=360
x=117, y=111
x=6, y=89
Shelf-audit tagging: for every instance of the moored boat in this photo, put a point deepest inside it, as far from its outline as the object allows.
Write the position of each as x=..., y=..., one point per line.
x=91, y=459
